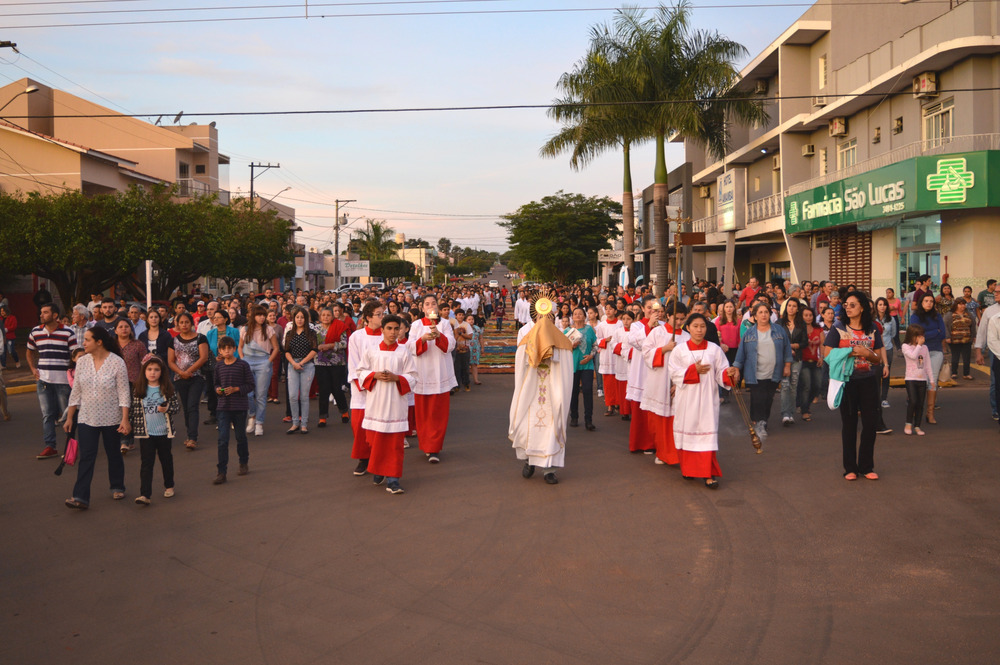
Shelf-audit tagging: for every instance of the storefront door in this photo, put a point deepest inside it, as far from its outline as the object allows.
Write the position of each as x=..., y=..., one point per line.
x=918, y=241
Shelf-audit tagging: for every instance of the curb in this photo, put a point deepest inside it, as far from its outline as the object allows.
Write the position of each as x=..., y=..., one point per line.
x=19, y=390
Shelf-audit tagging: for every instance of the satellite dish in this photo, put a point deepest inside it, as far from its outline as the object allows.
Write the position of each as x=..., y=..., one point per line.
x=177, y=118
x=157, y=123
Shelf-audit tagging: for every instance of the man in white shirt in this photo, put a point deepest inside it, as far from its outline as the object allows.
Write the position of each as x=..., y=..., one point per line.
x=206, y=322
x=522, y=310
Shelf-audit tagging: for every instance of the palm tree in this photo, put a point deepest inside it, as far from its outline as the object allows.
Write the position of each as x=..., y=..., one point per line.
x=598, y=115
x=376, y=241
x=685, y=80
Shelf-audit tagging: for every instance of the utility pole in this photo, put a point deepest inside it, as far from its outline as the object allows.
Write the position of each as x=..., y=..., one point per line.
x=336, y=241
x=265, y=167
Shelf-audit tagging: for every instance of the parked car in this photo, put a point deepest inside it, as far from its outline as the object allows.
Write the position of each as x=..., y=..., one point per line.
x=352, y=286
x=378, y=286
x=494, y=284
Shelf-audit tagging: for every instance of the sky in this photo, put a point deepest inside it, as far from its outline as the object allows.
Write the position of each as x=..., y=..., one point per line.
x=427, y=174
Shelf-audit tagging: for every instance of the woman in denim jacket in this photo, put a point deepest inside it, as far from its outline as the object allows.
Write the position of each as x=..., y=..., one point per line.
x=763, y=363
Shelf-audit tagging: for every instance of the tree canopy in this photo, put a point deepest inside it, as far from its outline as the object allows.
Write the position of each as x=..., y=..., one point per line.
x=375, y=241
x=559, y=236
x=86, y=244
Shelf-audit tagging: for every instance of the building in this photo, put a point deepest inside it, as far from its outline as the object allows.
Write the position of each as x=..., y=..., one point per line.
x=881, y=158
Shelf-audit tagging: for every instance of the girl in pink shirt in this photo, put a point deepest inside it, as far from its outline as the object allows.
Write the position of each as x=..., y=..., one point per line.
x=919, y=376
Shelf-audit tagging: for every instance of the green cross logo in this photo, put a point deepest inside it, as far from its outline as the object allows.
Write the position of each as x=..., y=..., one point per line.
x=793, y=213
x=951, y=180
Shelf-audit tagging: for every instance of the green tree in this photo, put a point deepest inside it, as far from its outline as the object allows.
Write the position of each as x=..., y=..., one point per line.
x=376, y=240
x=685, y=78
x=598, y=113
x=393, y=271
x=256, y=245
x=561, y=234
x=444, y=246
x=417, y=243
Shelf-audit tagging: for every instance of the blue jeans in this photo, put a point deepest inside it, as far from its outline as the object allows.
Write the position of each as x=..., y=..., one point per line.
x=11, y=351
x=238, y=419
x=53, y=399
x=299, y=383
x=88, y=439
x=810, y=379
x=261, y=368
x=790, y=390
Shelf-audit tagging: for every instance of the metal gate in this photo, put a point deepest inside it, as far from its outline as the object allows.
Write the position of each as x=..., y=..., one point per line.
x=851, y=258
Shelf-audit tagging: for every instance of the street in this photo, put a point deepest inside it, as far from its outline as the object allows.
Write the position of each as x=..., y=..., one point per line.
x=622, y=562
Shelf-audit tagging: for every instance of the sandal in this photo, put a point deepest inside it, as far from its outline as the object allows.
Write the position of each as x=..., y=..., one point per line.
x=78, y=505
x=712, y=484
x=850, y=476
x=124, y=450
x=191, y=444
x=967, y=377
x=871, y=475
x=806, y=417
x=118, y=496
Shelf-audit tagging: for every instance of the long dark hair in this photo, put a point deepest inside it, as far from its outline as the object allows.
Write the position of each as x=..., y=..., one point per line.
x=109, y=342
x=166, y=385
x=888, y=310
x=927, y=315
x=866, y=311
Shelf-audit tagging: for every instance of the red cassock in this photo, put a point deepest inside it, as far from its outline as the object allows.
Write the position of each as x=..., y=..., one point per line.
x=663, y=428
x=432, y=420
x=360, y=449
x=386, y=453
x=640, y=434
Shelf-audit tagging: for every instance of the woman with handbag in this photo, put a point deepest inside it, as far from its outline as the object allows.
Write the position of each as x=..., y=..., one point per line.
x=101, y=394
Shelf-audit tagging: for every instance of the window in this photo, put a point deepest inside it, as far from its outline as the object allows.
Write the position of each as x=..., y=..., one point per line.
x=183, y=170
x=756, y=183
x=821, y=239
x=847, y=154
x=823, y=164
x=822, y=74
x=939, y=122
x=199, y=169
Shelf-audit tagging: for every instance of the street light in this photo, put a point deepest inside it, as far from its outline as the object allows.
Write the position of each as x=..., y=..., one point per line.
x=268, y=202
x=27, y=91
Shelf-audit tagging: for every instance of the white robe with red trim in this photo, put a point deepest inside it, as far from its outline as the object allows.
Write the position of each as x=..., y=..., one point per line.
x=637, y=369
x=605, y=346
x=656, y=396
x=359, y=342
x=435, y=366
x=386, y=409
x=622, y=353
x=696, y=405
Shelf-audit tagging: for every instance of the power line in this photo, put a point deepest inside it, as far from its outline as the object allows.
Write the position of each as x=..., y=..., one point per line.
x=482, y=12
x=496, y=107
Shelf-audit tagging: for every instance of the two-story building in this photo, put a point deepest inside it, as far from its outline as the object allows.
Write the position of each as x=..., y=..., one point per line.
x=881, y=158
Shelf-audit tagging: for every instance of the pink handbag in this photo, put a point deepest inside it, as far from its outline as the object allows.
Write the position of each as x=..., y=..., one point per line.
x=72, y=450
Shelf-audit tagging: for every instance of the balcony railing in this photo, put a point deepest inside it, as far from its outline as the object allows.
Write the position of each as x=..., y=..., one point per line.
x=705, y=224
x=189, y=188
x=939, y=146
x=765, y=208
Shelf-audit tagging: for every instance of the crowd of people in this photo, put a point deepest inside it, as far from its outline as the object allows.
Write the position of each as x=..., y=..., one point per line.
x=112, y=372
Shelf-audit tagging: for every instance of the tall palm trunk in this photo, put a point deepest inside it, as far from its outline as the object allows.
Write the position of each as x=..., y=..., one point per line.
x=660, y=224
x=628, y=216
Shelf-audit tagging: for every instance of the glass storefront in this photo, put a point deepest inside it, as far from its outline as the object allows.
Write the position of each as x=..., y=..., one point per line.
x=918, y=242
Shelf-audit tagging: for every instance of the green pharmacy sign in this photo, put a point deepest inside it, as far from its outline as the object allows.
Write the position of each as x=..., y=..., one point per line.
x=921, y=184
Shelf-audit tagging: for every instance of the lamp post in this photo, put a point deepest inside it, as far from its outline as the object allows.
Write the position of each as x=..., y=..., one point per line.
x=27, y=91
x=336, y=241
x=270, y=200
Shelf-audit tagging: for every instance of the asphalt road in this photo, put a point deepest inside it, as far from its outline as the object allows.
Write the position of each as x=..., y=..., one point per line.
x=622, y=562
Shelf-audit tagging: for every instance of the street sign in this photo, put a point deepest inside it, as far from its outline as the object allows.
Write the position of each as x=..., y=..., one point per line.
x=354, y=268
x=611, y=255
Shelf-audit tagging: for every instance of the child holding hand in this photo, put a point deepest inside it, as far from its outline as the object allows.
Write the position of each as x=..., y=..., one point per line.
x=154, y=404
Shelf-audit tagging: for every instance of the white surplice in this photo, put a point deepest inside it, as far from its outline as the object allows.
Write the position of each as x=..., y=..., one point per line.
x=386, y=409
x=636, y=369
x=435, y=366
x=656, y=396
x=360, y=341
x=606, y=355
x=696, y=406
x=623, y=358
x=540, y=408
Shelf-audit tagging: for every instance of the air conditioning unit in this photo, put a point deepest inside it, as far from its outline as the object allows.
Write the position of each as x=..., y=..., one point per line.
x=819, y=102
x=925, y=86
x=776, y=163
x=808, y=150
x=704, y=191
x=877, y=135
x=760, y=87
x=838, y=126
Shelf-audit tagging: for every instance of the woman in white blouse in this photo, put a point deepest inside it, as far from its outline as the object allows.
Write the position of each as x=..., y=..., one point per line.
x=101, y=394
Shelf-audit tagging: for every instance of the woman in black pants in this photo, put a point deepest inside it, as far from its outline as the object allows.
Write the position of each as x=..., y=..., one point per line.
x=186, y=357
x=856, y=330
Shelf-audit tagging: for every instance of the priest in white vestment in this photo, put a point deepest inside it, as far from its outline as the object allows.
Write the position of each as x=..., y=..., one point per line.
x=543, y=384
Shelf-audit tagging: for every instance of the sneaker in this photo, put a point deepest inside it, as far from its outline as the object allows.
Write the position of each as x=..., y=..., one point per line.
x=362, y=467
x=142, y=501
x=787, y=420
x=996, y=416
x=345, y=418
x=286, y=419
x=251, y=424
x=468, y=388
x=600, y=393
x=47, y=453
x=528, y=471
x=433, y=458
x=219, y=479
x=885, y=404
x=406, y=442
x=378, y=480
x=590, y=427
x=649, y=451
x=573, y=422
x=168, y=493
x=658, y=461
x=244, y=470
x=322, y=422
x=394, y=488
x=258, y=430
x=550, y=478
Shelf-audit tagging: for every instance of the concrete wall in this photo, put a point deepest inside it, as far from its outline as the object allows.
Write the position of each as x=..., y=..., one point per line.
x=884, y=261
x=967, y=241
x=39, y=166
